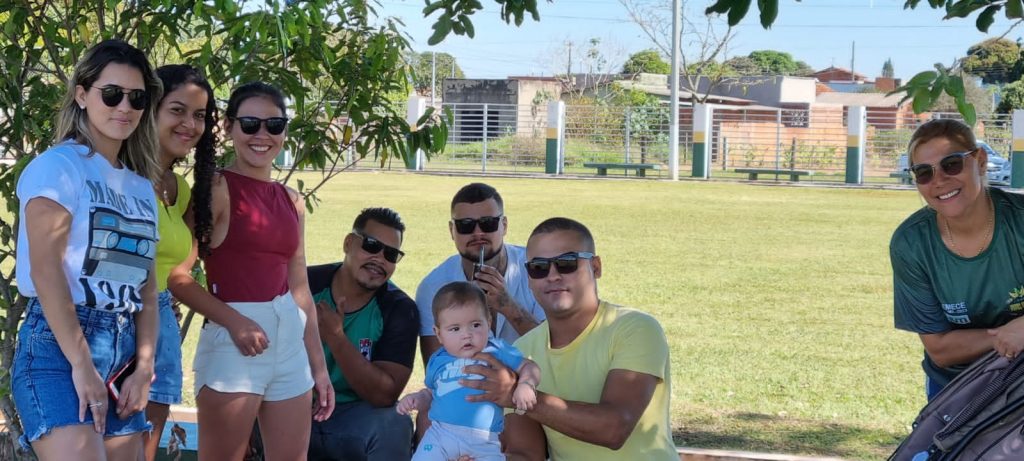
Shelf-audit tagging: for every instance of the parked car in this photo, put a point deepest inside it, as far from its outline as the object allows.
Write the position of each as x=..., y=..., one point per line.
x=998, y=168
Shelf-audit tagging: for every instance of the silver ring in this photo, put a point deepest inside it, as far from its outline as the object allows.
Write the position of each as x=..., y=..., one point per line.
x=95, y=404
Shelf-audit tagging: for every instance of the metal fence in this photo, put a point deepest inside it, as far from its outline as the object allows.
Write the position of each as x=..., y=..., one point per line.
x=506, y=138
x=512, y=138
x=622, y=134
x=494, y=138
x=779, y=139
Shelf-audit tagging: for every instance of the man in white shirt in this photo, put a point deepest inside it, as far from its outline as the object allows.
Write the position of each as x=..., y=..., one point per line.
x=478, y=225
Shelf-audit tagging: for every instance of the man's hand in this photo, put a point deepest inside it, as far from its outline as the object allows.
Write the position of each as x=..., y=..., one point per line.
x=1009, y=339
x=498, y=383
x=331, y=321
x=493, y=284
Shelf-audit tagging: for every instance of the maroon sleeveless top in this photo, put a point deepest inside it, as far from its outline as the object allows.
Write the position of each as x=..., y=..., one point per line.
x=251, y=265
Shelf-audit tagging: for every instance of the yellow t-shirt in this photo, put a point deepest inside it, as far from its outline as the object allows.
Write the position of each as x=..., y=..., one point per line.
x=617, y=338
x=175, y=237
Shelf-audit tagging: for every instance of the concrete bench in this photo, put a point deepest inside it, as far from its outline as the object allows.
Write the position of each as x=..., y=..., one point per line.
x=904, y=176
x=794, y=175
x=639, y=168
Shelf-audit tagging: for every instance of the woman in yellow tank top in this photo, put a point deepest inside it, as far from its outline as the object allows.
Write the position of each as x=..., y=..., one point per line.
x=186, y=122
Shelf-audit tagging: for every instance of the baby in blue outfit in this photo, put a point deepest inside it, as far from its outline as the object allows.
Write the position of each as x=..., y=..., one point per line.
x=461, y=428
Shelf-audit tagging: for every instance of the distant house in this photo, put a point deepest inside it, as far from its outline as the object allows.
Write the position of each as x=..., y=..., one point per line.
x=489, y=108
x=838, y=74
x=846, y=81
x=883, y=110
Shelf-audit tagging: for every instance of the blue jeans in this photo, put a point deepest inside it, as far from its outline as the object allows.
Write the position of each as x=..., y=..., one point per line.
x=166, y=387
x=359, y=431
x=41, y=376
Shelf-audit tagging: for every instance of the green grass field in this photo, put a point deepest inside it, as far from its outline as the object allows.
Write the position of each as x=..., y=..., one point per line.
x=777, y=301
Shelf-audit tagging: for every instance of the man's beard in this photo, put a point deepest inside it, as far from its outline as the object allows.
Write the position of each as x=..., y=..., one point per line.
x=474, y=256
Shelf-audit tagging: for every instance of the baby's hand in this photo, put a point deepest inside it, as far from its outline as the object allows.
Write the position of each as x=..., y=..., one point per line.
x=525, y=396
x=408, y=404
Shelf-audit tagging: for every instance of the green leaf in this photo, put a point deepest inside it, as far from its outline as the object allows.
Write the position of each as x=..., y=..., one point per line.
x=1014, y=9
x=922, y=78
x=719, y=7
x=987, y=17
x=769, y=11
x=955, y=87
x=441, y=29
x=922, y=100
x=738, y=11
x=967, y=110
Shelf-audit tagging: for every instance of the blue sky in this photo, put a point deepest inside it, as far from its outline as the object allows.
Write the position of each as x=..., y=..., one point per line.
x=818, y=32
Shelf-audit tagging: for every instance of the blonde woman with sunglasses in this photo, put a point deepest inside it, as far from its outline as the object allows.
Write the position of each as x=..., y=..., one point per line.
x=86, y=245
x=958, y=263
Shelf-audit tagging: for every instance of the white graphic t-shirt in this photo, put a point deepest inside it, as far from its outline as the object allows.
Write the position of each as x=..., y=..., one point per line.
x=113, y=234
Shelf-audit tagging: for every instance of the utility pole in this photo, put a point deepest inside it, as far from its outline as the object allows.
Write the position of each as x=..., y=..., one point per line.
x=853, y=55
x=568, y=62
x=673, y=143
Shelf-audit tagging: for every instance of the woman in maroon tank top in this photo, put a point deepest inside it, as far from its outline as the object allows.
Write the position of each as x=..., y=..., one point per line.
x=259, y=355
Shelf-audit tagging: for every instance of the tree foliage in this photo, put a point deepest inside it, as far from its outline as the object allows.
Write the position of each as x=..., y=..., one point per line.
x=925, y=87
x=647, y=61
x=888, y=71
x=427, y=65
x=1011, y=97
x=768, y=62
x=994, y=60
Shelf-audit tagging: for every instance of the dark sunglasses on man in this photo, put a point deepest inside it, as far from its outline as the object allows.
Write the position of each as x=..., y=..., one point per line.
x=251, y=125
x=565, y=263
x=952, y=165
x=112, y=95
x=487, y=224
x=374, y=246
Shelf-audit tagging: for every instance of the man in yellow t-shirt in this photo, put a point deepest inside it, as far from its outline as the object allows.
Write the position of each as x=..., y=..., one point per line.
x=605, y=379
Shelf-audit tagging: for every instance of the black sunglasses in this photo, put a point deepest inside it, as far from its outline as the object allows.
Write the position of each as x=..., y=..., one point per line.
x=251, y=125
x=951, y=165
x=374, y=246
x=565, y=263
x=487, y=224
x=113, y=94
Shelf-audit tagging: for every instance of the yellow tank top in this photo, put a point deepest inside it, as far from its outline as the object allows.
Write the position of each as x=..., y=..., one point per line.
x=175, y=236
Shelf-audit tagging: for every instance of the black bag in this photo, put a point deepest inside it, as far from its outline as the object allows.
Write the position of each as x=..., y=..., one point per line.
x=978, y=416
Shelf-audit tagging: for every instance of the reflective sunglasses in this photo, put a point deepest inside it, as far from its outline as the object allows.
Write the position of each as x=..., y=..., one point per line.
x=487, y=224
x=112, y=95
x=374, y=246
x=251, y=125
x=565, y=263
x=951, y=165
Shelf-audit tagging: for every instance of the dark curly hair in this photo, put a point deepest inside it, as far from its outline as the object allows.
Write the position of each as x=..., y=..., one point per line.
x=174, y=76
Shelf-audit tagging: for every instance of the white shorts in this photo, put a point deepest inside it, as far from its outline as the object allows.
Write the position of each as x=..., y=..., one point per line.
x=281, y=372
x=444, y=442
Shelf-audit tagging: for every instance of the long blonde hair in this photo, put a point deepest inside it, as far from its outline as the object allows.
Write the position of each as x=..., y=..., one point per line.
x=138, y=153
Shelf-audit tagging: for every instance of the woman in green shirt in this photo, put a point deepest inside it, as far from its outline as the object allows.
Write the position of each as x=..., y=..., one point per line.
x=186, y=118
x=958, y=263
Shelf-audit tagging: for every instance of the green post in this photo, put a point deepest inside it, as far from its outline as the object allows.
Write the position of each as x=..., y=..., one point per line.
x=856, y=124
x=1017, y=152
x=554, y=161
x=701, y=140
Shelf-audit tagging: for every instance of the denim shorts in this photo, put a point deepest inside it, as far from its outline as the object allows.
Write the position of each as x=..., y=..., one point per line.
x=166, y=387
x=41, y=385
